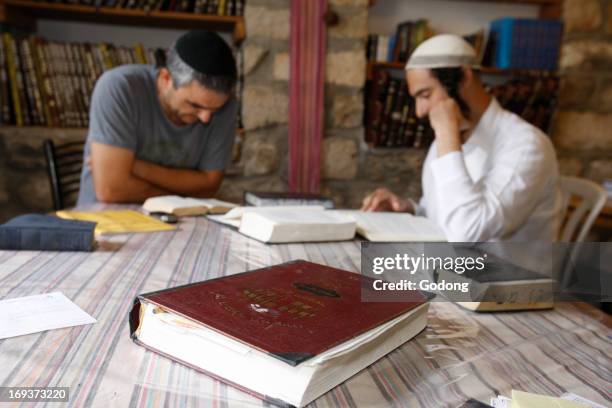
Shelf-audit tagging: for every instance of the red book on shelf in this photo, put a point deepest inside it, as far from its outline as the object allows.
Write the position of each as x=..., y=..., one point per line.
x=296, y=322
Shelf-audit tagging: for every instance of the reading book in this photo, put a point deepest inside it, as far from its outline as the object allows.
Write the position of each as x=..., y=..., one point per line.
x=289, y=224
x=394, y=227
x=286, y=333
x=184, y=206
x=37, y=232
x=501, y=286
x=268, y=199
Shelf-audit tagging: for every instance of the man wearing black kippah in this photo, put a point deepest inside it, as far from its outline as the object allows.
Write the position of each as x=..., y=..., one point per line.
x=162, y=131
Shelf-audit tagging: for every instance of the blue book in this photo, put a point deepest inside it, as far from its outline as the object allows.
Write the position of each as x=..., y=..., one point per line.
x=37, y=232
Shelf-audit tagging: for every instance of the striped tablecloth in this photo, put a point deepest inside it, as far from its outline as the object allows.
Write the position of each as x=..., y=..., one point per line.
x=460, y=355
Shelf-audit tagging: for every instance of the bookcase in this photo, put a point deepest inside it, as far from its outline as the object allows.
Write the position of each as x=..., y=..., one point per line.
x=390, y=120
x=49, y=83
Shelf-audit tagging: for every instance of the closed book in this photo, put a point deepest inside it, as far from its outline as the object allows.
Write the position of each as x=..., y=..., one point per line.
x=501, y=286
x=286, y=333
x=37, y=232
x=268, y=199
x=289, y=224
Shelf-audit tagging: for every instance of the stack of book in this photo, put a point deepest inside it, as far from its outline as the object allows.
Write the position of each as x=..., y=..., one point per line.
x=525, y=43
x=47, y=83
x=397, y=47
x=214, y=7
x=532, y=98
x=391, y=119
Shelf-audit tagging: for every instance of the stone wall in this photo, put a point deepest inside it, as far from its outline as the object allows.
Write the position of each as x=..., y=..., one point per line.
x=582, y=128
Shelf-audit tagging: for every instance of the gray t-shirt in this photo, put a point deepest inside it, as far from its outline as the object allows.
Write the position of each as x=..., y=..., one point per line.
x=125, y=112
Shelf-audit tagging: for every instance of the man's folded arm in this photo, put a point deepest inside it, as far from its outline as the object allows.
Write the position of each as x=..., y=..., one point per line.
x=501, y=204
x=193, y=183
x=113, y=178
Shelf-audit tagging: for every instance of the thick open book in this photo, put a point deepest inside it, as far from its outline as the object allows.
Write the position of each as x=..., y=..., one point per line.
x=394, y=227
x=286, y=333
x=289, y=224
x=184, y=206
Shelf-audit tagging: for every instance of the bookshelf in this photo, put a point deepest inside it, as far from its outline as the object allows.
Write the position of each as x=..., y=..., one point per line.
x=26, y=12
x=23, y=15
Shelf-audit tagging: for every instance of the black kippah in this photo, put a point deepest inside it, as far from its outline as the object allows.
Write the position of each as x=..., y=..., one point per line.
x=207, y=53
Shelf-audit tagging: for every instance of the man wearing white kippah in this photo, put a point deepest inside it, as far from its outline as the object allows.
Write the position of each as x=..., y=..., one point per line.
x=489, y=175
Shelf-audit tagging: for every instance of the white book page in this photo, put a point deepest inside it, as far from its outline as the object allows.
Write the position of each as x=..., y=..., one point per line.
x=237, y=212
x=394, y=227
x=38, y=313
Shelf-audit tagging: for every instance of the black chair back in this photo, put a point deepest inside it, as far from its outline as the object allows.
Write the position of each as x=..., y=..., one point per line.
x=64, y=164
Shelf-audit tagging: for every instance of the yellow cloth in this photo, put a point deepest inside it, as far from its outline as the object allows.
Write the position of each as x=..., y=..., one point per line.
x=118, y=221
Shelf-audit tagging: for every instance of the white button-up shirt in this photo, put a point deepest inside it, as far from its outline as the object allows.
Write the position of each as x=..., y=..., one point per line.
x=503, y=185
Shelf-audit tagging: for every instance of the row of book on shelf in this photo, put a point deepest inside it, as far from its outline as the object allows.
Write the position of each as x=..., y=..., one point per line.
x=391, y=119
x=50, y=83
x=518, y=43
x=46, y=83
x=213, y=7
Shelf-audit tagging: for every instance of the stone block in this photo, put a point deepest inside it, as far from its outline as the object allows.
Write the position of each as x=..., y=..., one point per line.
x=281, y=66
x=340, y=158
x=347, y=110
x=351, y=24
x=34, y=191
x=346, y=68
x=600, y=170
x=233, y=188
x=581, y=15
x=586, y=55
x=354, y=3
x=582, y=130
x=576, y=90
x=267, y=22
x=388, y=165
x=263, y=106
x=261, y=156
x=253, y=55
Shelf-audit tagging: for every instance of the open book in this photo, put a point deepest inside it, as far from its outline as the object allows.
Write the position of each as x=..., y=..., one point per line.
x=182, y=206
x=394, y=227
x=286, y=333
x=289, y=224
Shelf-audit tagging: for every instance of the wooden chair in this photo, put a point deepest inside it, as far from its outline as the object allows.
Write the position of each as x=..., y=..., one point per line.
x=64, y=164
x=592, y=197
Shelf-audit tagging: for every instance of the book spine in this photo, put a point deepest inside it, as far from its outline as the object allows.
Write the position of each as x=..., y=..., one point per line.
x=7, y=39
x=47, y=83
x=30, y=114
x=5, y=86
x=386, y=116
x=34, y=88
x=14, y=238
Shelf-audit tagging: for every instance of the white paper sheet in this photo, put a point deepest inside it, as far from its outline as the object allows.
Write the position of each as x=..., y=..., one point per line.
x=32, y=314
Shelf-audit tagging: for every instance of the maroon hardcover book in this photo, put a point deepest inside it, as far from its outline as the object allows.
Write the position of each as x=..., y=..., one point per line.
x=292, y=311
